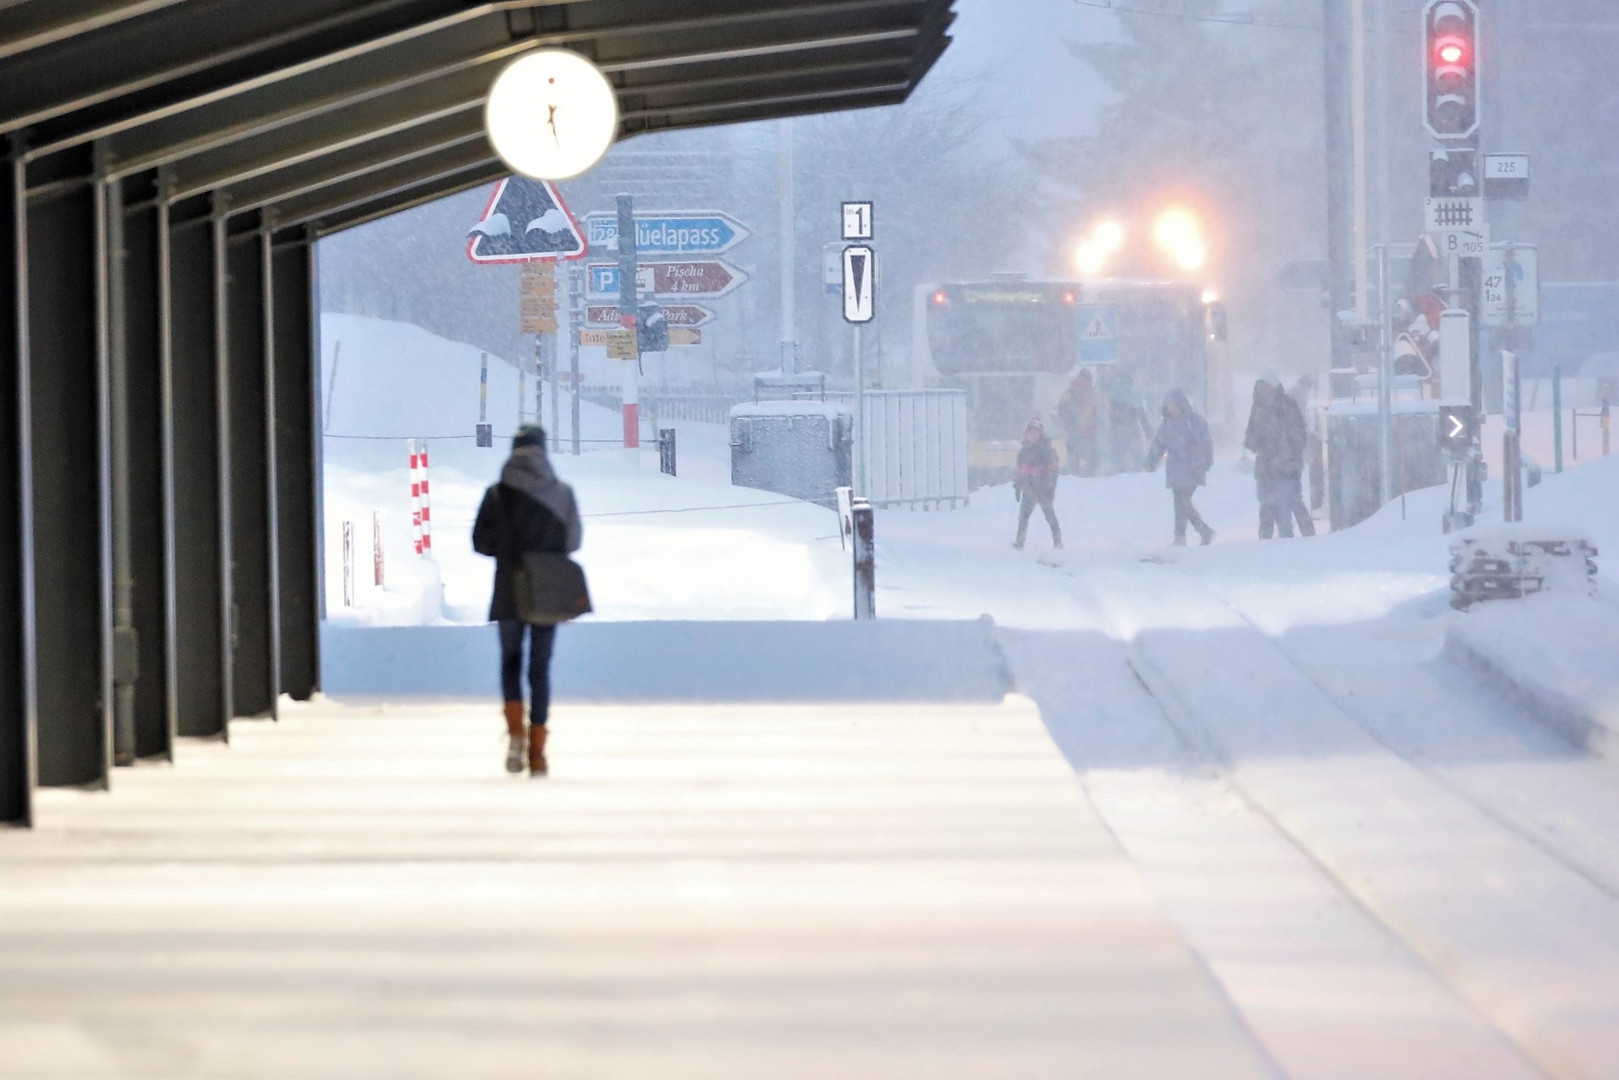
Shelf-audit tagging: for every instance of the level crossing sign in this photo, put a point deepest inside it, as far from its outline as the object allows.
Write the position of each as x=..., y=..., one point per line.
x=1098, y=333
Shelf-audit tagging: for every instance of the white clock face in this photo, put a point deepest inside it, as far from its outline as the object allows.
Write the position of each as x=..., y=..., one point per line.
x=552, y=114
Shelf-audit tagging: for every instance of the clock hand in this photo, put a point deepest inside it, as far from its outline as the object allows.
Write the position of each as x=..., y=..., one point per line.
x=551, y=121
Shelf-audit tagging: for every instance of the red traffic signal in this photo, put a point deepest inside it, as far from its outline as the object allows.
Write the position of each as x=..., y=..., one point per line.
x=1451, y=86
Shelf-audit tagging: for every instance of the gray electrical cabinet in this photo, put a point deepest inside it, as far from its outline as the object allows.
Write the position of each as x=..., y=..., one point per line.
x=801, y=449
x=1354, y=457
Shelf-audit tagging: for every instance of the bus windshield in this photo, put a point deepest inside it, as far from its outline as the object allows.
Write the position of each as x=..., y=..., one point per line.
x=992, y=327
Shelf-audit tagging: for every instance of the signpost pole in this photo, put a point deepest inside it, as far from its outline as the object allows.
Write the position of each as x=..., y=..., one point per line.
x=789, y=338
x=1385, y=379
x=576, y=293
x=628, y=309
x=551, y=374
x=859, y=416
x=1557, y=417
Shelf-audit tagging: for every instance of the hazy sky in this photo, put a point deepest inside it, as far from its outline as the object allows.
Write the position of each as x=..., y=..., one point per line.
x=1016, y=50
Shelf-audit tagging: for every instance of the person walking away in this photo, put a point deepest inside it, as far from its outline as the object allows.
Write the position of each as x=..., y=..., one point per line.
x=1276, y=437
x=1183, y=438
x=1077, y=414
x=1128, y=427
x=529, y=509
x=1315, y=460
x=1036, y=482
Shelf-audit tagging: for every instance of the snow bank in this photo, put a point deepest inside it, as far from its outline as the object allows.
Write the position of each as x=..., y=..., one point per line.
x=1555, y=656
x=883, y=660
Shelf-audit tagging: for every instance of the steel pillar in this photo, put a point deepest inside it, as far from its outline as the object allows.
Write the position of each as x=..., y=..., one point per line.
x=202, y=683
x=16, y=595
x=297, y=468
x=70, y=528
x=253, y=687
x=145, y=389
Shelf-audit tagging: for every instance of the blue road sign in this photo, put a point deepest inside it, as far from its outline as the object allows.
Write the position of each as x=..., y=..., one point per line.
x=680, y=232
x=1098, y=333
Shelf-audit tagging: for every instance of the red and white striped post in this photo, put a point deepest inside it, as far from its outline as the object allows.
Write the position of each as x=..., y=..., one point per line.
x=421, y=503
x=415, y=495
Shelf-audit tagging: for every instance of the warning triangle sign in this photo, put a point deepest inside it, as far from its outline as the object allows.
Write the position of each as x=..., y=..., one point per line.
x=525, y=221
x=1099, y=329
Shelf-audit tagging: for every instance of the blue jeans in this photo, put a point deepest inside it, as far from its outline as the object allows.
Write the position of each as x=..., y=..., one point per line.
x=541, y=639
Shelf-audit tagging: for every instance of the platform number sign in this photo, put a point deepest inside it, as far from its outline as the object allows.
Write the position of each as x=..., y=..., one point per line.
x=857, y=220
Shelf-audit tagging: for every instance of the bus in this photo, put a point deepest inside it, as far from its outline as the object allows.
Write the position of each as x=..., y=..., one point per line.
x=1014, y=344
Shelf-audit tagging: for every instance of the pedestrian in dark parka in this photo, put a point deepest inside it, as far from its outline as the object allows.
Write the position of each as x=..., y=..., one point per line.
x=1035, y=483
x=1277, y=437
x=529, y=509
x=1183, y=439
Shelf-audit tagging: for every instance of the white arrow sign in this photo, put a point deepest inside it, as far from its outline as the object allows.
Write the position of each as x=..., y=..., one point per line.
x=859, y=283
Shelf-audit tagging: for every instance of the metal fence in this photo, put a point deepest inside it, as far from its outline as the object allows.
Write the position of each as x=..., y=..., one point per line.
x=913, y=448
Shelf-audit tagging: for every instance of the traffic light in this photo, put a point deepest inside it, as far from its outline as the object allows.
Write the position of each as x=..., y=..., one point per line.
x=1450, y=30
x=652, y=329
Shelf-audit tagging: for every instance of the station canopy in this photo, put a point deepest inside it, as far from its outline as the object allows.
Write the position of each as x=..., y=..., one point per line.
x=324, y=114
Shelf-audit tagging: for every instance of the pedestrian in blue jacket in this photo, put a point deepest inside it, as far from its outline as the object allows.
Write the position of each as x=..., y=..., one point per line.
x=1183, y=438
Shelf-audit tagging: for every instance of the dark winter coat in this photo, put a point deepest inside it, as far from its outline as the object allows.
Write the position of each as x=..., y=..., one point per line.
x=1185, y=441
x=528, y=510
x=1077, y=410
x=1037, y=467
x=1276, y=436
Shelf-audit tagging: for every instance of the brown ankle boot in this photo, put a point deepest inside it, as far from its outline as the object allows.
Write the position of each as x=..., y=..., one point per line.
x=536, y=751
x=517, y=736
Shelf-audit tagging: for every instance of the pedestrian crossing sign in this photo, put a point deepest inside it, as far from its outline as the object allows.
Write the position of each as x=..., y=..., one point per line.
x=1098, y=334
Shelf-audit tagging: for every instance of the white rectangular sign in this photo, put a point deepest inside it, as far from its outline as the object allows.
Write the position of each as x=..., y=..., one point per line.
x=1524, y=268
x=1458, y=225
x=859, y=283
x=857, y=220
x=1506, y=166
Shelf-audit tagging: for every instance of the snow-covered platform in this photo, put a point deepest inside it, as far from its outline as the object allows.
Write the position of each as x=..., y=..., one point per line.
x=1556, y=656
x=720, y=891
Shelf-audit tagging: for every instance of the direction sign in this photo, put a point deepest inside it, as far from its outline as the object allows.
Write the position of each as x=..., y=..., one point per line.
x=612, y=339
x=859, y=283
x=678, y=232
x=676, y=314
x=1455, y=427
x=525, y=221
x=708, y=277
x=1098, y=333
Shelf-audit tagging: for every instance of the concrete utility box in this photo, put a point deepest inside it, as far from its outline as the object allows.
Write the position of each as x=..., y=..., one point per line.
x=802, y=449
x=1354, y=456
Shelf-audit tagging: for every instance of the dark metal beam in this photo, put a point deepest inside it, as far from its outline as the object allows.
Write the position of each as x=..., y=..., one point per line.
x=17, y=759
x=253, y=678
x=297, y=463
x=201, y=683
x=70, y=673
x=484, y=172
x=149, y=531
x=75, y=89
x=28, y=28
